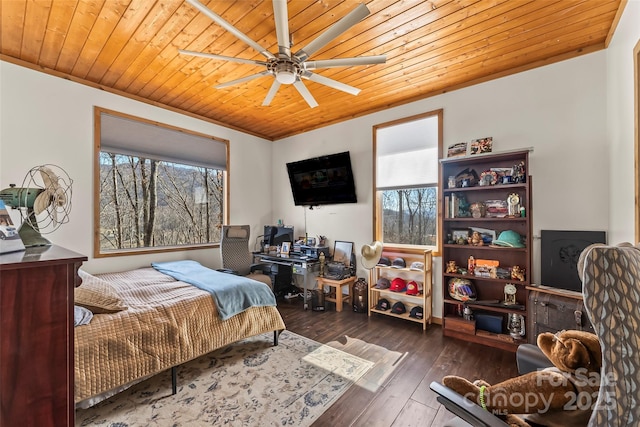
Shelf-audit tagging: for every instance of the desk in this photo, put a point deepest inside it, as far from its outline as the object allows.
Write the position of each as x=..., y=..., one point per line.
x=338, y=285
x=304, y=267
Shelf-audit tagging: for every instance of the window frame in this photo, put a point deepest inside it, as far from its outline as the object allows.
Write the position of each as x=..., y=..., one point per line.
x=97, y=252
x=636, y=137
x=377, y=195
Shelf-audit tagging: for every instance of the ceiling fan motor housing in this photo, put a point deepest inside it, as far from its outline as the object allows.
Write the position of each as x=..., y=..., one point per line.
x=285, y=70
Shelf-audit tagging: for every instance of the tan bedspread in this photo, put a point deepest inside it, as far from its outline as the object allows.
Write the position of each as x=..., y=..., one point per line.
x=168, y=322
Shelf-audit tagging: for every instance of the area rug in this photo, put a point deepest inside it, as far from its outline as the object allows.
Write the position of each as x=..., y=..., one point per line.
x=249, y=383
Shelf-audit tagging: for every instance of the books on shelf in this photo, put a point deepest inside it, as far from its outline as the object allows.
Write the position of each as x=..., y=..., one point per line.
x=451, y=206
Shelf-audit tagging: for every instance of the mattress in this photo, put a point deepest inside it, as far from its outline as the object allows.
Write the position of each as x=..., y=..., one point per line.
x=167, y=323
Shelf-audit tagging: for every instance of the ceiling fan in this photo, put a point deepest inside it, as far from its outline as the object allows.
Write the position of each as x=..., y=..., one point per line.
x=288, y=68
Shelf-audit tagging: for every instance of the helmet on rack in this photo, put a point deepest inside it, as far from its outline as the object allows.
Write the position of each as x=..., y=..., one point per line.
x=462, y=289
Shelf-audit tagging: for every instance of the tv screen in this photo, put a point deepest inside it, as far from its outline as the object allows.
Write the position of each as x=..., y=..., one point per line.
x=322, y=180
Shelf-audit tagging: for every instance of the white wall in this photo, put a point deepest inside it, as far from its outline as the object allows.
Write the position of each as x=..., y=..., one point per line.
x=557, y=109
x=620, y=124
x=46, y=119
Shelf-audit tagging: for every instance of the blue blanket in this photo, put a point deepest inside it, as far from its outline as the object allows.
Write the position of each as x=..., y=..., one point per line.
x=232, y=294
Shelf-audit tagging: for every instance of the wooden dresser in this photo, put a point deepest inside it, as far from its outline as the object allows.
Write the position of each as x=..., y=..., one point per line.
x=36, y=336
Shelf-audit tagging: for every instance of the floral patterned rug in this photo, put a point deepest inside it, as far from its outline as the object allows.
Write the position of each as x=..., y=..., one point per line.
x=249, y=383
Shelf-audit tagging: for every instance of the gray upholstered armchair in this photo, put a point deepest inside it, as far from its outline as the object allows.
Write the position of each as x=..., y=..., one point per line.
x=236, y=257
x=611, y=288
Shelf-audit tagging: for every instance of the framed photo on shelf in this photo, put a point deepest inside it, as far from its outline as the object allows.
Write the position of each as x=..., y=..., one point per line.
x=457, y=149
x=285, y=248
x=482, y=145
x=457, y=234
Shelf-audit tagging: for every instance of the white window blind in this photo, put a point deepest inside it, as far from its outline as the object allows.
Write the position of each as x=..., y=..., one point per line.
x=132, y=137
x=407, y=154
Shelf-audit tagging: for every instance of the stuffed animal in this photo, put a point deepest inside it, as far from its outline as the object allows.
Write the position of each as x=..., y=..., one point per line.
x=562, y=395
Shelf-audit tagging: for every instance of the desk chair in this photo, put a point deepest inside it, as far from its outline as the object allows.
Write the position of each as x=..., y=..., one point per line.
x=236, y=257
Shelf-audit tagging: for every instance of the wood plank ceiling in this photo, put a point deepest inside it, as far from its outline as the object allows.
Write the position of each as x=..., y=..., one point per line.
x=131, y=47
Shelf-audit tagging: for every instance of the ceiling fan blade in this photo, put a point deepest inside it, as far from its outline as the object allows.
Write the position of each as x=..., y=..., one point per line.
x=345, y=62
x=222, y=57
x=331, y=83
x=227, y=26
x=281, y=18
x=241, y=80
x=355, y=16
x=272, y=92
x=305, y=93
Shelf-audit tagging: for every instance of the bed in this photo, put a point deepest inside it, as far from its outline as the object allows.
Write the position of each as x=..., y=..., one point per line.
x=145, y=322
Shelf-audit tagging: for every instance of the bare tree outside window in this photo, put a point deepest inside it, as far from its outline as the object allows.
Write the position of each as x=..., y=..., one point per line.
x=410, y=216
x=151, y=203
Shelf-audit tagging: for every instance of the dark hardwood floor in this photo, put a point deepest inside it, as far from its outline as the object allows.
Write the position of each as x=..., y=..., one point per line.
x=405, y=398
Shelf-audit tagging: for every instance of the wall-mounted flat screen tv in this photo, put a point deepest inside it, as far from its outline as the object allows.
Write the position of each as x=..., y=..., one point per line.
x=322, y=180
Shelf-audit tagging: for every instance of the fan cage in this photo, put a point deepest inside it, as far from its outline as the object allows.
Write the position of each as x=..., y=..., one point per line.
x=55, y=214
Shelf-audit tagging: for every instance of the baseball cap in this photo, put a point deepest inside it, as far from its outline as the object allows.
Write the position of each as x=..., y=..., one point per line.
x=384, y=261
x=508, y=239
x=417, y=312
x=398, y=263
x=414, y=288
x=383, y=283
x=383, y=304
x=417, y=266
x=398, y=308
x=398, y=285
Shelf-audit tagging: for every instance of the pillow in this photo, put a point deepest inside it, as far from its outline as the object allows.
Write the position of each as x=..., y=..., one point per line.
x=97, y=295
x=81, y=316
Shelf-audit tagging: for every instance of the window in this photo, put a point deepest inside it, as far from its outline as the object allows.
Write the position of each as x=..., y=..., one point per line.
x=406, y=171
x=157, y=188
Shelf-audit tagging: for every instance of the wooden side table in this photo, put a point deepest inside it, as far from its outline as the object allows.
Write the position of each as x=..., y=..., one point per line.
x=338, y=285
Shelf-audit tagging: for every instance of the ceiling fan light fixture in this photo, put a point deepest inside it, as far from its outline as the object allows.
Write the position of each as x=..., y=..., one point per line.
x=286, y=77
x=286, y=73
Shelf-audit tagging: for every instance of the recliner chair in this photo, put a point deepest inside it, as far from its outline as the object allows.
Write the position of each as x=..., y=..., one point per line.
x=611, y=288
x=236, y=257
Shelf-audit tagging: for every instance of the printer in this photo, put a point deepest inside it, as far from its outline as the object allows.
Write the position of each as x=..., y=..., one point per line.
x=314, y=251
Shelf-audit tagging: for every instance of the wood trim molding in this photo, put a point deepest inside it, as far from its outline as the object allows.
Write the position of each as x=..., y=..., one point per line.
x=636, y=132
x=616, y=21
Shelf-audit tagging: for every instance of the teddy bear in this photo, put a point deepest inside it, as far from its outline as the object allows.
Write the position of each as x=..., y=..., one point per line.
x=562, y=395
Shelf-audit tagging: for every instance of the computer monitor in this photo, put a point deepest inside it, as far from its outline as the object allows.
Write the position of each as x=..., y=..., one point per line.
x=274, y=235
